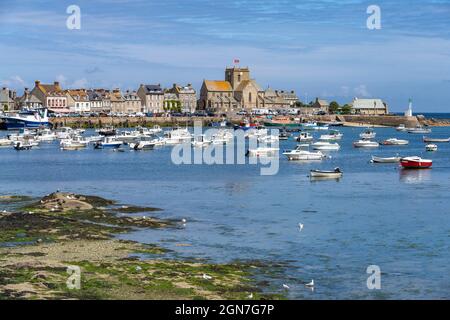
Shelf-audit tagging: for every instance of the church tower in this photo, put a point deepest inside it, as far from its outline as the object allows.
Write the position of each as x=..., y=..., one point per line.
x=236, y=75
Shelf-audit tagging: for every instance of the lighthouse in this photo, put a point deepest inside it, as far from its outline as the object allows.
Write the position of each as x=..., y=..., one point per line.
x=409, y=112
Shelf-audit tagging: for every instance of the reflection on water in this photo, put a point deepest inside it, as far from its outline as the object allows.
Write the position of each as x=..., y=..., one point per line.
x=412, y=176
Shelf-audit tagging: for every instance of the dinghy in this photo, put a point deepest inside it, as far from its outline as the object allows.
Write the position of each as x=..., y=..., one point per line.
x=395, y=142
x=385, y=160
x=335, y=174
x=435, y=140
x=415, y=163
x=431, y=147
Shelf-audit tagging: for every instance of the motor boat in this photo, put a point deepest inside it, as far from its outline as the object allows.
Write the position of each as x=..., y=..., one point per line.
x=334, y=135
x=401, y=127
x=26, y=119
x=335, y=174
x=76, y=142
x=45, y=135
x=262, y=151
x=385, y=160
x=436, y=140
x=309, y=125
x=366, y=144
x=19, y=145
x=108, y=142
x=256, y=133
x=5, y=142
x=221, y=137
x=64, y=133
x=177, y=136
x=395, y=142
x=321, y=127
x=304, y=137
x=246, y=125
x=368, y=134
x=149, y=131
x=200, y=141
x=301, y=153
x=107, y=131
x=419, y=130
x=128, y=136
x=415, y=163
x=284, y=135
x=431, y=147
x=142, y=145
x=325, y=146
x=268, y=139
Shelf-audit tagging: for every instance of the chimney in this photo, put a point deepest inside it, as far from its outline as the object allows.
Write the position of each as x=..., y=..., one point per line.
x=37, y=82
x=56, y=83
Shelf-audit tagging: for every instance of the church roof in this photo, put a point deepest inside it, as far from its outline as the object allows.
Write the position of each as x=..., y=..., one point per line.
x=245, y=83
x=214, y=85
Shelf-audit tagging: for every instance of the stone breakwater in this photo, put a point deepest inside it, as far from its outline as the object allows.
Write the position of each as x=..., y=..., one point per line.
x=40, y=239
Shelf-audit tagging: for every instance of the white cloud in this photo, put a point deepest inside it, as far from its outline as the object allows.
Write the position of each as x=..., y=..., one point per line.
x=13, y=82
x=361, y=91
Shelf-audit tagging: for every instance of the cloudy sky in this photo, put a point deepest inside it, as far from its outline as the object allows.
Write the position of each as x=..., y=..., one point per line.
x=316, y=47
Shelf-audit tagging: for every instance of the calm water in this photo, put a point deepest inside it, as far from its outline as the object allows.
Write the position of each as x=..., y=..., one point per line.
x=377, y=214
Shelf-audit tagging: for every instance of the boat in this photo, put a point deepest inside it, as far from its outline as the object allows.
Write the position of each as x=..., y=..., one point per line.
x=385, y=160
x=262, y=151
x=431, y=147
x=149, y=131
x=401, y=127
x=108, y=142
x=335, y=174
x=107, y=131
x=223, y=136
x=26, y=119
x=200, y=141
x=325, y=146
x=246, y=125
x=334, y=135
x=321, y=127
x=64, y=133
x=142, y=145
x=46, y=135
x=415, y=162
x=335, y=124
x=177, y=136
x=300, y=153
x=368, y=134
x=436, y=140
x=309, y=125
x=19, y=145
x=281, y=122
x=76, y=142
x=268, y=139
x=419, y=130
x=304, y=137
x=128, y=136
x=284, y=135
x=5, y=142
x=395, y=142
x=366, y=144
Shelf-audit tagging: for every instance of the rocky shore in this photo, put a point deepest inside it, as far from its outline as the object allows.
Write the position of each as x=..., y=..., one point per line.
x=41, y=240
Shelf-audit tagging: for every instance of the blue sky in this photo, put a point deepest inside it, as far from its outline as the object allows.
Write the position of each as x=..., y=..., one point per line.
x=316, y=47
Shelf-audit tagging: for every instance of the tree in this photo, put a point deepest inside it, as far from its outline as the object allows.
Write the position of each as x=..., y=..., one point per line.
x=334, y=107
x=5, y=107
x=346, y=109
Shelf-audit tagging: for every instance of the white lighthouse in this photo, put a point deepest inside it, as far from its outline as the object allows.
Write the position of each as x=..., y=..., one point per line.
x=409, y=112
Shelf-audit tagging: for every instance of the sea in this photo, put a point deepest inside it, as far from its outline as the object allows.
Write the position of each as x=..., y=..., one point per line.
x=375, y=215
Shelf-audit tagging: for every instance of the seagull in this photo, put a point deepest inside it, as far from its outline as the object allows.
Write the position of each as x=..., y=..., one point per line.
x=310, y=285
x=300, y=227
x=206, y=277
x=183, y=220
x=285, y=286
x=138, y=268
x=250, y=296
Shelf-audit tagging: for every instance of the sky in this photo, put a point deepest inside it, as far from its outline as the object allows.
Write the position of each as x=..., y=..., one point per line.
x=319, y=48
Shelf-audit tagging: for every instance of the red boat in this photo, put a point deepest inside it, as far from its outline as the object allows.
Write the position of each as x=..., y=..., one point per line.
x=415, y=163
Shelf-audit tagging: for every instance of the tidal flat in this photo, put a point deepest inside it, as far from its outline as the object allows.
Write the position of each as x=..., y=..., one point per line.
x=41, y=238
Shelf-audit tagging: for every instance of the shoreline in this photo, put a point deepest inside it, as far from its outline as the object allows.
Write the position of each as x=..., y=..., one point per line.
x=42, y=239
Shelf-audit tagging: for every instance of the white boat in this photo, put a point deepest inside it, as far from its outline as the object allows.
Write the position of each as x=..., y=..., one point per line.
x=366, y=144
x=385, y=160
x=436, y=140
x=26, y=119
x=431, y=147
x=5, y=142
x=149, y=131
x=142, y=145
x=419, y=130
x=20, y=145
x=200, y=141
x=75, y=142
x=321, y=128
x=368, y=134
x=401, y=128
x=395, y=142
x=309, y=125
x=46, y=135
x=262, y=151
x=177, y=136
x=256, y=133
x=128, y=136
x=304, y=137
x=268, y=139
x=335, y=174
x=334, y=135
x=108, y=142
x=64, y=133
x=222, y=137
x=325, y=146
x=301, y=153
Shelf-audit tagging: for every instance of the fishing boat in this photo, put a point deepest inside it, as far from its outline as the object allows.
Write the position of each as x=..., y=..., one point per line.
x=26, y=119
x=304, y=137
x=401, y=127
x=431, y=147
x=107, y=131
x=366, y=144
x=108, y=142
x=200, y=141
x=436, y=140
x=281, y=121
x=368, y=134
x=415, y=163
x=385, y=160
x=334, y=135
x=325, y=146
x=19, y=145
x=419, y=130
x=262, y=151
x=335, y=174
x=395, y=142
x=301, y=153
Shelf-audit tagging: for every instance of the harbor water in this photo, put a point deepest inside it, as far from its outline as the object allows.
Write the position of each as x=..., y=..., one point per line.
x=377, y=214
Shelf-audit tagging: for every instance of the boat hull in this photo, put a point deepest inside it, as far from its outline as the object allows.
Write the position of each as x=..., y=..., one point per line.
x=11, y=124
x=415, y=164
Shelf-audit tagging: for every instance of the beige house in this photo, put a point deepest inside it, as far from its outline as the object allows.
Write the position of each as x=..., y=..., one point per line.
x=100, y=100
x=217, y=96
x=78, y=100
x=117, y=101
x=369, y=106
x=152, y=98
x=51, y=96
x=187, y=97
x=132, y=102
